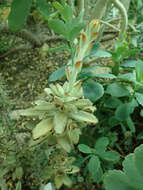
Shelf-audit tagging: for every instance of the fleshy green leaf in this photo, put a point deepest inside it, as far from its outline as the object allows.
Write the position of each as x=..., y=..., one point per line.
x=116, y=180
x=131, y=124
x=129, y=63
x=19, y=12
x=123, y=111
x=102, y=53
x=139, y=71
x=3, y=184
x=105, y=75
x=139, y=98
x=132, y=172
x=92, y=90
x=58, y=181
x=19, y=172
x=58, y=26
x=67, y=14
x=112, y=102
x=84, y=148
x=117, y=90
x=44, y=8
x=93, y=165
x=110, y=156
x=75, y=31
x=127, y=77
x=18, y=186
x=67, y=181
x=58, y=74
x=100, y=144
x=139, y=159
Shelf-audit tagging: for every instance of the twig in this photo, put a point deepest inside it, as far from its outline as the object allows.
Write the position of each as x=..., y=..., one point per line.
x=24, y=33
x=16, y=49
x=110, y=25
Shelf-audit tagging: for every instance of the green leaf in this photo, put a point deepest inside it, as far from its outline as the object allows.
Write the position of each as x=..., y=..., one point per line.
x=139, y=71
x=127, y=77
x=19, y=172
x=139, y=98
x=131, y=124
x=113, y=121
x=58, y=74
x=67, y=181
x=110, y=156
x=77, y=19
x=18, y=186
x=106, y=75
x=140, y=136
x=93, y=165
x=101, y=144
x=112, y=102
x=84, y=148
x=58, y=181
x=130, y=52
x=73, y=33
x=129, y=63
x=139, y=159
x=117, y=90
x=116, y=180
x=88, y=69
x=98, y=176
x=44, y=8
x=141, y=113
x=94, y=49
x=131, y=178
x=101, y=53
x=3, y=184
x=42, y=128
x=123, y=111
x=58, y=26
x=58, y=6
x=67, y=14
x=19, y=12
x=92, y=90
x=132, y=172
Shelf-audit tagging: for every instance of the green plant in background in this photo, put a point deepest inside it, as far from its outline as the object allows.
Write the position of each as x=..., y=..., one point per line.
x=121, y=51
x=131, y=178
x=97, y=156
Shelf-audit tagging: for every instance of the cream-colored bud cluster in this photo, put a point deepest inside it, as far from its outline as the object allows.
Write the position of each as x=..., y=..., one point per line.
x=64, y=110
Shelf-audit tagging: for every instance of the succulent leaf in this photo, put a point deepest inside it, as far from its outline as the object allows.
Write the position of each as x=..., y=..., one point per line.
x=42, y=128
x=60, y=121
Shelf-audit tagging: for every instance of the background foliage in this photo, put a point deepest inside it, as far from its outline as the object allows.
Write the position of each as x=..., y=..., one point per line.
x=115, y=142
